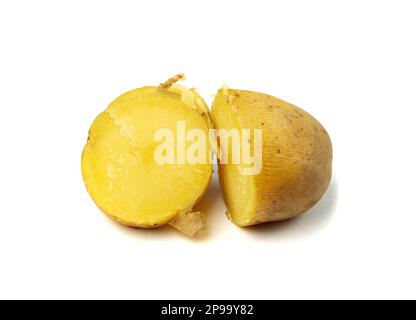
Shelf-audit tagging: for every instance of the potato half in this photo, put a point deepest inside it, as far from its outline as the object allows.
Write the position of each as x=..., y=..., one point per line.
x=296, y=158
x=118, y=162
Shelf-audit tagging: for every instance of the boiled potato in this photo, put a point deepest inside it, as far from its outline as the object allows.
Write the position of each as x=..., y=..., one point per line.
x=118, y=162
x=296, y=158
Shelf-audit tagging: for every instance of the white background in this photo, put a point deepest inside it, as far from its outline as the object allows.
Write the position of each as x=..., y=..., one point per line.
x=352, y=64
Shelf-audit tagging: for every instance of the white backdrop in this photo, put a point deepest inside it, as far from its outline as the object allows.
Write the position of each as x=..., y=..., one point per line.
x=349, y=63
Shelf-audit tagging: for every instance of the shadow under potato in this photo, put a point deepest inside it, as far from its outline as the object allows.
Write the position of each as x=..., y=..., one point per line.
x=213, y=206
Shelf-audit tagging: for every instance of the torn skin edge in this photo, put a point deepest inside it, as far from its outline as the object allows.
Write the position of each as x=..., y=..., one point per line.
x=168, y=83
x=189, y=223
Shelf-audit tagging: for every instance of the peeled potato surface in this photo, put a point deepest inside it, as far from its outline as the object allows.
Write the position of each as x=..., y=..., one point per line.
x=296, y=158
x=118, y=162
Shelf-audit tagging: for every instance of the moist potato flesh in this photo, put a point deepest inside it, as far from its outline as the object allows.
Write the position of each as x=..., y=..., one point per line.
x=118, y=162
x=238, y=189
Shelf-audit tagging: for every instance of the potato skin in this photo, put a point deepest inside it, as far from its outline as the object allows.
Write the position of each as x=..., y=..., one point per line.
x=297, y=155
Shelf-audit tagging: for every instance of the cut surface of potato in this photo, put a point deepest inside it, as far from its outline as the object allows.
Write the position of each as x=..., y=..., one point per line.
x=296, y=158
x=118, y=161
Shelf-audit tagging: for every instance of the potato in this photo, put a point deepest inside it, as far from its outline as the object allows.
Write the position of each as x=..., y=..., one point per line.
x=119, y=167
x=296, y=158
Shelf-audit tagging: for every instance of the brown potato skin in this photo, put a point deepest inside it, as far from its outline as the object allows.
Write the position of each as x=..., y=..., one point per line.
x=297, y=155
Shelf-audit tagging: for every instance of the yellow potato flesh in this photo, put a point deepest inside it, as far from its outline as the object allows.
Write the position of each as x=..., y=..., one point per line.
x=118, y=163
x=238, y=189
